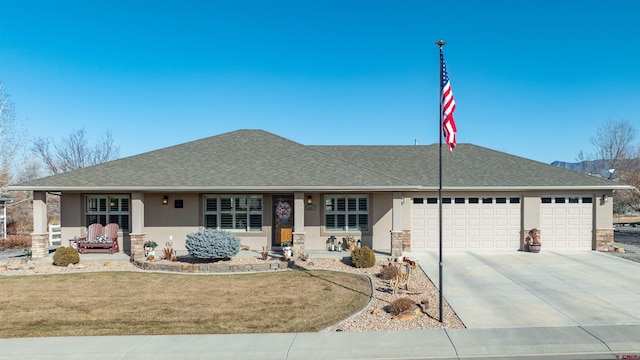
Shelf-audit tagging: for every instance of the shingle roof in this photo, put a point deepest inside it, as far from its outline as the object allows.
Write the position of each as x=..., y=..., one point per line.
x=255, y=160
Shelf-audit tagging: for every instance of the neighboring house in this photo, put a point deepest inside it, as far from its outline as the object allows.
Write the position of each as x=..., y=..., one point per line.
x=268, y=189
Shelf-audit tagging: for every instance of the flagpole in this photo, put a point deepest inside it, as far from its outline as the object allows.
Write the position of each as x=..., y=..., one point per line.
x=440, y=45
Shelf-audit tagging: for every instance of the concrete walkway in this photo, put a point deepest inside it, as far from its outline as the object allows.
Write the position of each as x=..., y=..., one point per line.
x=595, y=342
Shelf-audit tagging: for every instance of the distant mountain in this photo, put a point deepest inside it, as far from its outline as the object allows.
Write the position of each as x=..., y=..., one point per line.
x=596, y=166
x=579, y=167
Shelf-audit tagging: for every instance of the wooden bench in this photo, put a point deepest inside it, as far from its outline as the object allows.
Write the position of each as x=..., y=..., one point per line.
x=100, y=239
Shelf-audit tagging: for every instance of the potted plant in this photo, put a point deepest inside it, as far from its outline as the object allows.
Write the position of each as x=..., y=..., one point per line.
x=149, y=248
x=533, y=242
x=286, y=248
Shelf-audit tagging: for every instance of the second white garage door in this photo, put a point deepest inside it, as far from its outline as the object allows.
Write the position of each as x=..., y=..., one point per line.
x=491, y=222
x=566, y=222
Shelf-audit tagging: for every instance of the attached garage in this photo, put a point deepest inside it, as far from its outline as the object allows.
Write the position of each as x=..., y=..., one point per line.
x=566, y=222
x=468, y=222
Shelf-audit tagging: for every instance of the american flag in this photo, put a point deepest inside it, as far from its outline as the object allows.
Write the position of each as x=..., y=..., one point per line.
x=448, y=106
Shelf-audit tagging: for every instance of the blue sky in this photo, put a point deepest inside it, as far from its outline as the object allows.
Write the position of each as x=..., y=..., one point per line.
x=531, y=78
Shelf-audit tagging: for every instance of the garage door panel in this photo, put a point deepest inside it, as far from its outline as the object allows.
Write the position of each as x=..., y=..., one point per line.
x=471, y=226
x=566, y=225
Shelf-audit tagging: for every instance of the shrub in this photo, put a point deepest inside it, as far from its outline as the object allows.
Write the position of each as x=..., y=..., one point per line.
x=363, y=257
x=400, y=305
x=65, y=256
x=15, y=242
x=388, y=272
x=212, y=244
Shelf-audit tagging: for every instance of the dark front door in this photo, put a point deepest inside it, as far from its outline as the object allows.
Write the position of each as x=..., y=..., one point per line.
x=282, y=220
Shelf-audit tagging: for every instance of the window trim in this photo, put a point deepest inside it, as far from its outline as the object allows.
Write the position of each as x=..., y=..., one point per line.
x=108, y=212
x=219, y=212
x=346, y=213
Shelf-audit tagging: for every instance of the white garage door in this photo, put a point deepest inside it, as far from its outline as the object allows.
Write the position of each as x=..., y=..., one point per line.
x=566, y=222
x=491, y=222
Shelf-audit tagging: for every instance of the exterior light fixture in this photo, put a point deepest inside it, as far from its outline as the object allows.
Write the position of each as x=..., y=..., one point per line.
x=359, y=243
x=309, y=200
x=165, y=200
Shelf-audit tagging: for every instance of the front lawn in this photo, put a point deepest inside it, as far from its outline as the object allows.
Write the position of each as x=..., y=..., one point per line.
x=137, y=303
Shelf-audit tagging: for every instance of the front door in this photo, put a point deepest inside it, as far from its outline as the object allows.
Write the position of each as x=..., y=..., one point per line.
x=282, y=220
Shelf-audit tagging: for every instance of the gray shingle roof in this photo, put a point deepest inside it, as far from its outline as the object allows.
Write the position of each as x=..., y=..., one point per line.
x=260, y=161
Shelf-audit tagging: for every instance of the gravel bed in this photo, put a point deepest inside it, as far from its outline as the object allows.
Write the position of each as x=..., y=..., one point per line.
x=628, y=239
x=375, y=317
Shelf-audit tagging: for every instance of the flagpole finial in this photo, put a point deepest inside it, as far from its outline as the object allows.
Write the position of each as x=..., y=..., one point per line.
x=441, y=43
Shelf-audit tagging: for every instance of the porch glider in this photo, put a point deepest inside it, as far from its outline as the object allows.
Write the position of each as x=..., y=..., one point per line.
x=100, y=239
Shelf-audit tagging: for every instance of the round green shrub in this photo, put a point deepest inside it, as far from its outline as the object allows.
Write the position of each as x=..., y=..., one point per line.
x=212, y=244
x=65, y=256
x=363, y=257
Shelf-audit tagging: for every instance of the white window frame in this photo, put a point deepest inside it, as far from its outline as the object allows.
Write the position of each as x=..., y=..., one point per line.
x=332, y=210
x=253, y=204
x=108, y=208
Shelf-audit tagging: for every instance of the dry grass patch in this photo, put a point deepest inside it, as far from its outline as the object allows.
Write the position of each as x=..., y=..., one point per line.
x=133, y=303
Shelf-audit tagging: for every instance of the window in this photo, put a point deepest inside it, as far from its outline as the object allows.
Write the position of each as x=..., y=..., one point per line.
x=432, y=200
x=487, y=200
x=473, y=200
x=446, y=200
x=501, y=200
x=546, y=200
x=418, y=200
x=459, y=200
x=560, y=200
x=346, y=213
x=587, y=200
x=105, y=209
x=514, y=200
x=233, y=212
x=574, y=200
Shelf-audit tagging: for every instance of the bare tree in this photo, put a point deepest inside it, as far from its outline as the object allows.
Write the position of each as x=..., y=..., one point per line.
x=613, y=142
x=9, y=139
x=629, y=173
x=614, y=149
x=74, y=151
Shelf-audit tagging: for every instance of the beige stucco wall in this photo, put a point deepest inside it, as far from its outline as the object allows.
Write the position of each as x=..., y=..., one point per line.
x=381, y=218
x=165, y=222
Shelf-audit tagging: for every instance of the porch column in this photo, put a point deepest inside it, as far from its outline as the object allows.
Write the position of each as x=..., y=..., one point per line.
x=40, y=235
x=137, y=225
x=396, y=224
x=298, y=224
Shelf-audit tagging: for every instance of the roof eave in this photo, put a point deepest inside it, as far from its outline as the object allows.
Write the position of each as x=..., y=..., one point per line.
x=313, y=188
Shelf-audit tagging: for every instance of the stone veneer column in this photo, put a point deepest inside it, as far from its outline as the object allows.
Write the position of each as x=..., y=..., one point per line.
x=298, y=244
x=39, y=245
x=396, y=243
x=406, y=240
x=137, y=245
x=604, y=240
x=40, y=235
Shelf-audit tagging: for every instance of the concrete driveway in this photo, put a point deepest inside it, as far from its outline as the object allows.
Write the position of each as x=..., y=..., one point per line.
x=521, y=289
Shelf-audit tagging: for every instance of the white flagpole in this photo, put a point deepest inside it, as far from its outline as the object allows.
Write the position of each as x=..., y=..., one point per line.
x=440, y=45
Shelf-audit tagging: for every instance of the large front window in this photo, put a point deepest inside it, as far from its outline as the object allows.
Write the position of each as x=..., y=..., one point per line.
x=346, y=213
x=233, y=212
x=105, y=209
